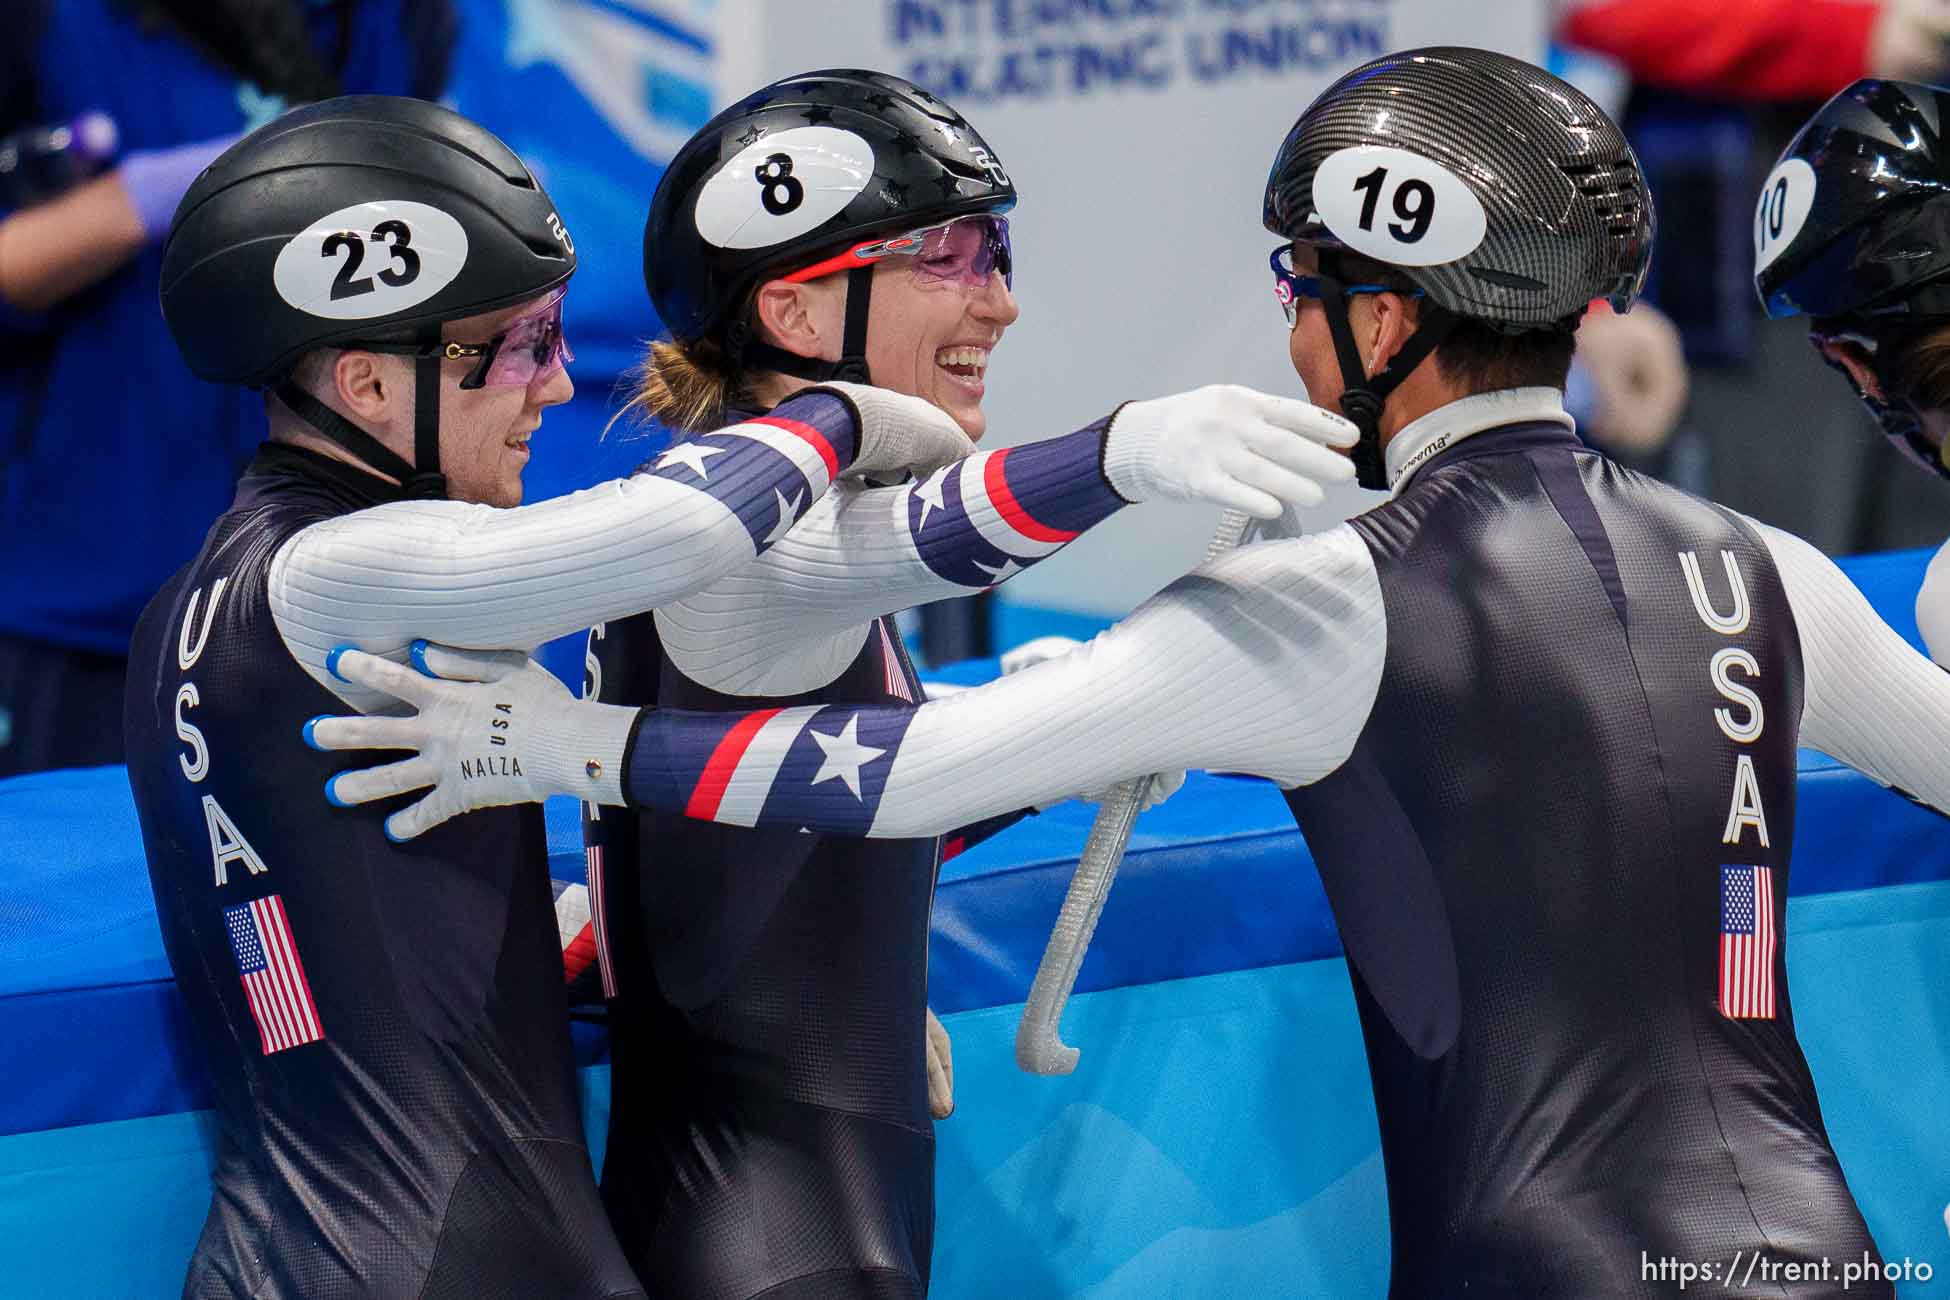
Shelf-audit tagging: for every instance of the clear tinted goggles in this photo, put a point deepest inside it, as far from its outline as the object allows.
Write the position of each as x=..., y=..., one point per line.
x=965, y=251
x=529, y=349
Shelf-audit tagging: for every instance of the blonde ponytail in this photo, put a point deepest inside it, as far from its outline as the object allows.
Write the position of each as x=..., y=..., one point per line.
x=685, y=386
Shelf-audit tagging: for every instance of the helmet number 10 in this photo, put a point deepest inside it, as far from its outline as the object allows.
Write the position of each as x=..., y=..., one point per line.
x=1786, y=199
x=1772, y=217
x=1414, y=203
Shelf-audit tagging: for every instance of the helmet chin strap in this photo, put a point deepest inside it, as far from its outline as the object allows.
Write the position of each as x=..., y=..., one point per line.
x=1363, y=395
x=851, y=368
x=420, y=478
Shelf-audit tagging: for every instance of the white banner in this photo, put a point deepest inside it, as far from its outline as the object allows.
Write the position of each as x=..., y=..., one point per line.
x=1139, y=134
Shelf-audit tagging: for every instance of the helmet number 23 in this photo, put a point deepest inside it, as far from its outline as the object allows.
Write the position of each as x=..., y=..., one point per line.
x=1414, y=203
x=395, y=236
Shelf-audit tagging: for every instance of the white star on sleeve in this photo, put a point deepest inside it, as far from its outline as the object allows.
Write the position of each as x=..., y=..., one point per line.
x=1002, y=572
x=845, y=756
x=788, y=516
x=691, y=455
x=929, y=494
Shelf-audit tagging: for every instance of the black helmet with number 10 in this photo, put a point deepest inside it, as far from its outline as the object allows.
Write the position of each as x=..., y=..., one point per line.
x=1502, y=192
x=797, y=171
x=1853, y=230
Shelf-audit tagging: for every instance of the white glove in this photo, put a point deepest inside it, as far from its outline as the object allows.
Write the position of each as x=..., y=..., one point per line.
x=1232, y=446
x=941, y=1070
x=1044, y=648
x=900, y=432
x=1910, y=40
x=1639, y=369
x=493, y=728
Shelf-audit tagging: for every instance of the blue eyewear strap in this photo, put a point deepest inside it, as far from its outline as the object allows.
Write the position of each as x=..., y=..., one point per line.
x=1299, y=286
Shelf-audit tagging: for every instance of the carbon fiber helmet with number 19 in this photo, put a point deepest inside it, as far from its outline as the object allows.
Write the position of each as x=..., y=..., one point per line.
x=1504, y=193
x=796, y=171
x=360, y=222
x=1853, y=229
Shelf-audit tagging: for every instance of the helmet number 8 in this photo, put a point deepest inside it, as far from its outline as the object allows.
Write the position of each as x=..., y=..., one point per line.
x=396, y=235
x=781, y=192
x=1414, y=203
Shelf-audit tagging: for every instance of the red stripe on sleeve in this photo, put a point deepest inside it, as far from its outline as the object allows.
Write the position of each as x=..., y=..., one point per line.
x=716, y=777
x=996, y=483
x=807, y=434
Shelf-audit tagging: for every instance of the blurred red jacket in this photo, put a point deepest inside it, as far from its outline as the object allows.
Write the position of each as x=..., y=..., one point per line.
x=1737, y=49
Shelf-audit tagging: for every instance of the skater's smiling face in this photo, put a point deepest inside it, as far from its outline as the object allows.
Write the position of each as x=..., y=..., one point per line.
x=934, y=318
x=503, y=370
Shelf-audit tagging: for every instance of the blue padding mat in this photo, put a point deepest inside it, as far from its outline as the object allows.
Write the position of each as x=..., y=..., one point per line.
x=1217, y=1142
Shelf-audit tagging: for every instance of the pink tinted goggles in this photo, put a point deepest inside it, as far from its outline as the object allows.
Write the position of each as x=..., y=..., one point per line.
x=529, y=349
x=966, y=250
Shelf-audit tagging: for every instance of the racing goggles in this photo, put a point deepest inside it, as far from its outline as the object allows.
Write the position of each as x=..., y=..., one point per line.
x=529, y=349
x=965, y=251
x=1289, y=286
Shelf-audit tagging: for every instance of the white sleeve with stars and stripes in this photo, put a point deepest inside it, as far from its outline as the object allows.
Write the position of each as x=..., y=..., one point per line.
x=484, y=578
x=793, y=620
x=1266, y=660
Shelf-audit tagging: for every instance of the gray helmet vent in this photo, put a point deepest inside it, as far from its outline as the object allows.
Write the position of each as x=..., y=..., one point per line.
x=1613, y=188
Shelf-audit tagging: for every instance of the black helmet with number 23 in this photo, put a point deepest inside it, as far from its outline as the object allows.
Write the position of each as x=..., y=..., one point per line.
x=359, y=221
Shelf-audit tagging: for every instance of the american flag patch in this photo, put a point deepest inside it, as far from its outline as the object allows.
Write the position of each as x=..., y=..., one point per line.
x=274, y=977
x=1747, y=942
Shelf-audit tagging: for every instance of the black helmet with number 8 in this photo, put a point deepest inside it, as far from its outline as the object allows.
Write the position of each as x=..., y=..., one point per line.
x=356, y=221
x=1503, y=193
x=795, y=171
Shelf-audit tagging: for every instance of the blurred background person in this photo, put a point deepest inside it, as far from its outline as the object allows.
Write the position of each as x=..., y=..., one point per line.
x=112, y=456
x=1708, y=95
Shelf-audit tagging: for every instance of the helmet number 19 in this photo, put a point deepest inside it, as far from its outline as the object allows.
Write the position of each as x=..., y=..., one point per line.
x=1397, y=206
x=1414, y=203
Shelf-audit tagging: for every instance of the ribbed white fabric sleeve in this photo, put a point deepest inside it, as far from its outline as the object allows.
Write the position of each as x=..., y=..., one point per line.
x=792, y=620
x=1266, y=660
x=478, y=577
x=1869, y=700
